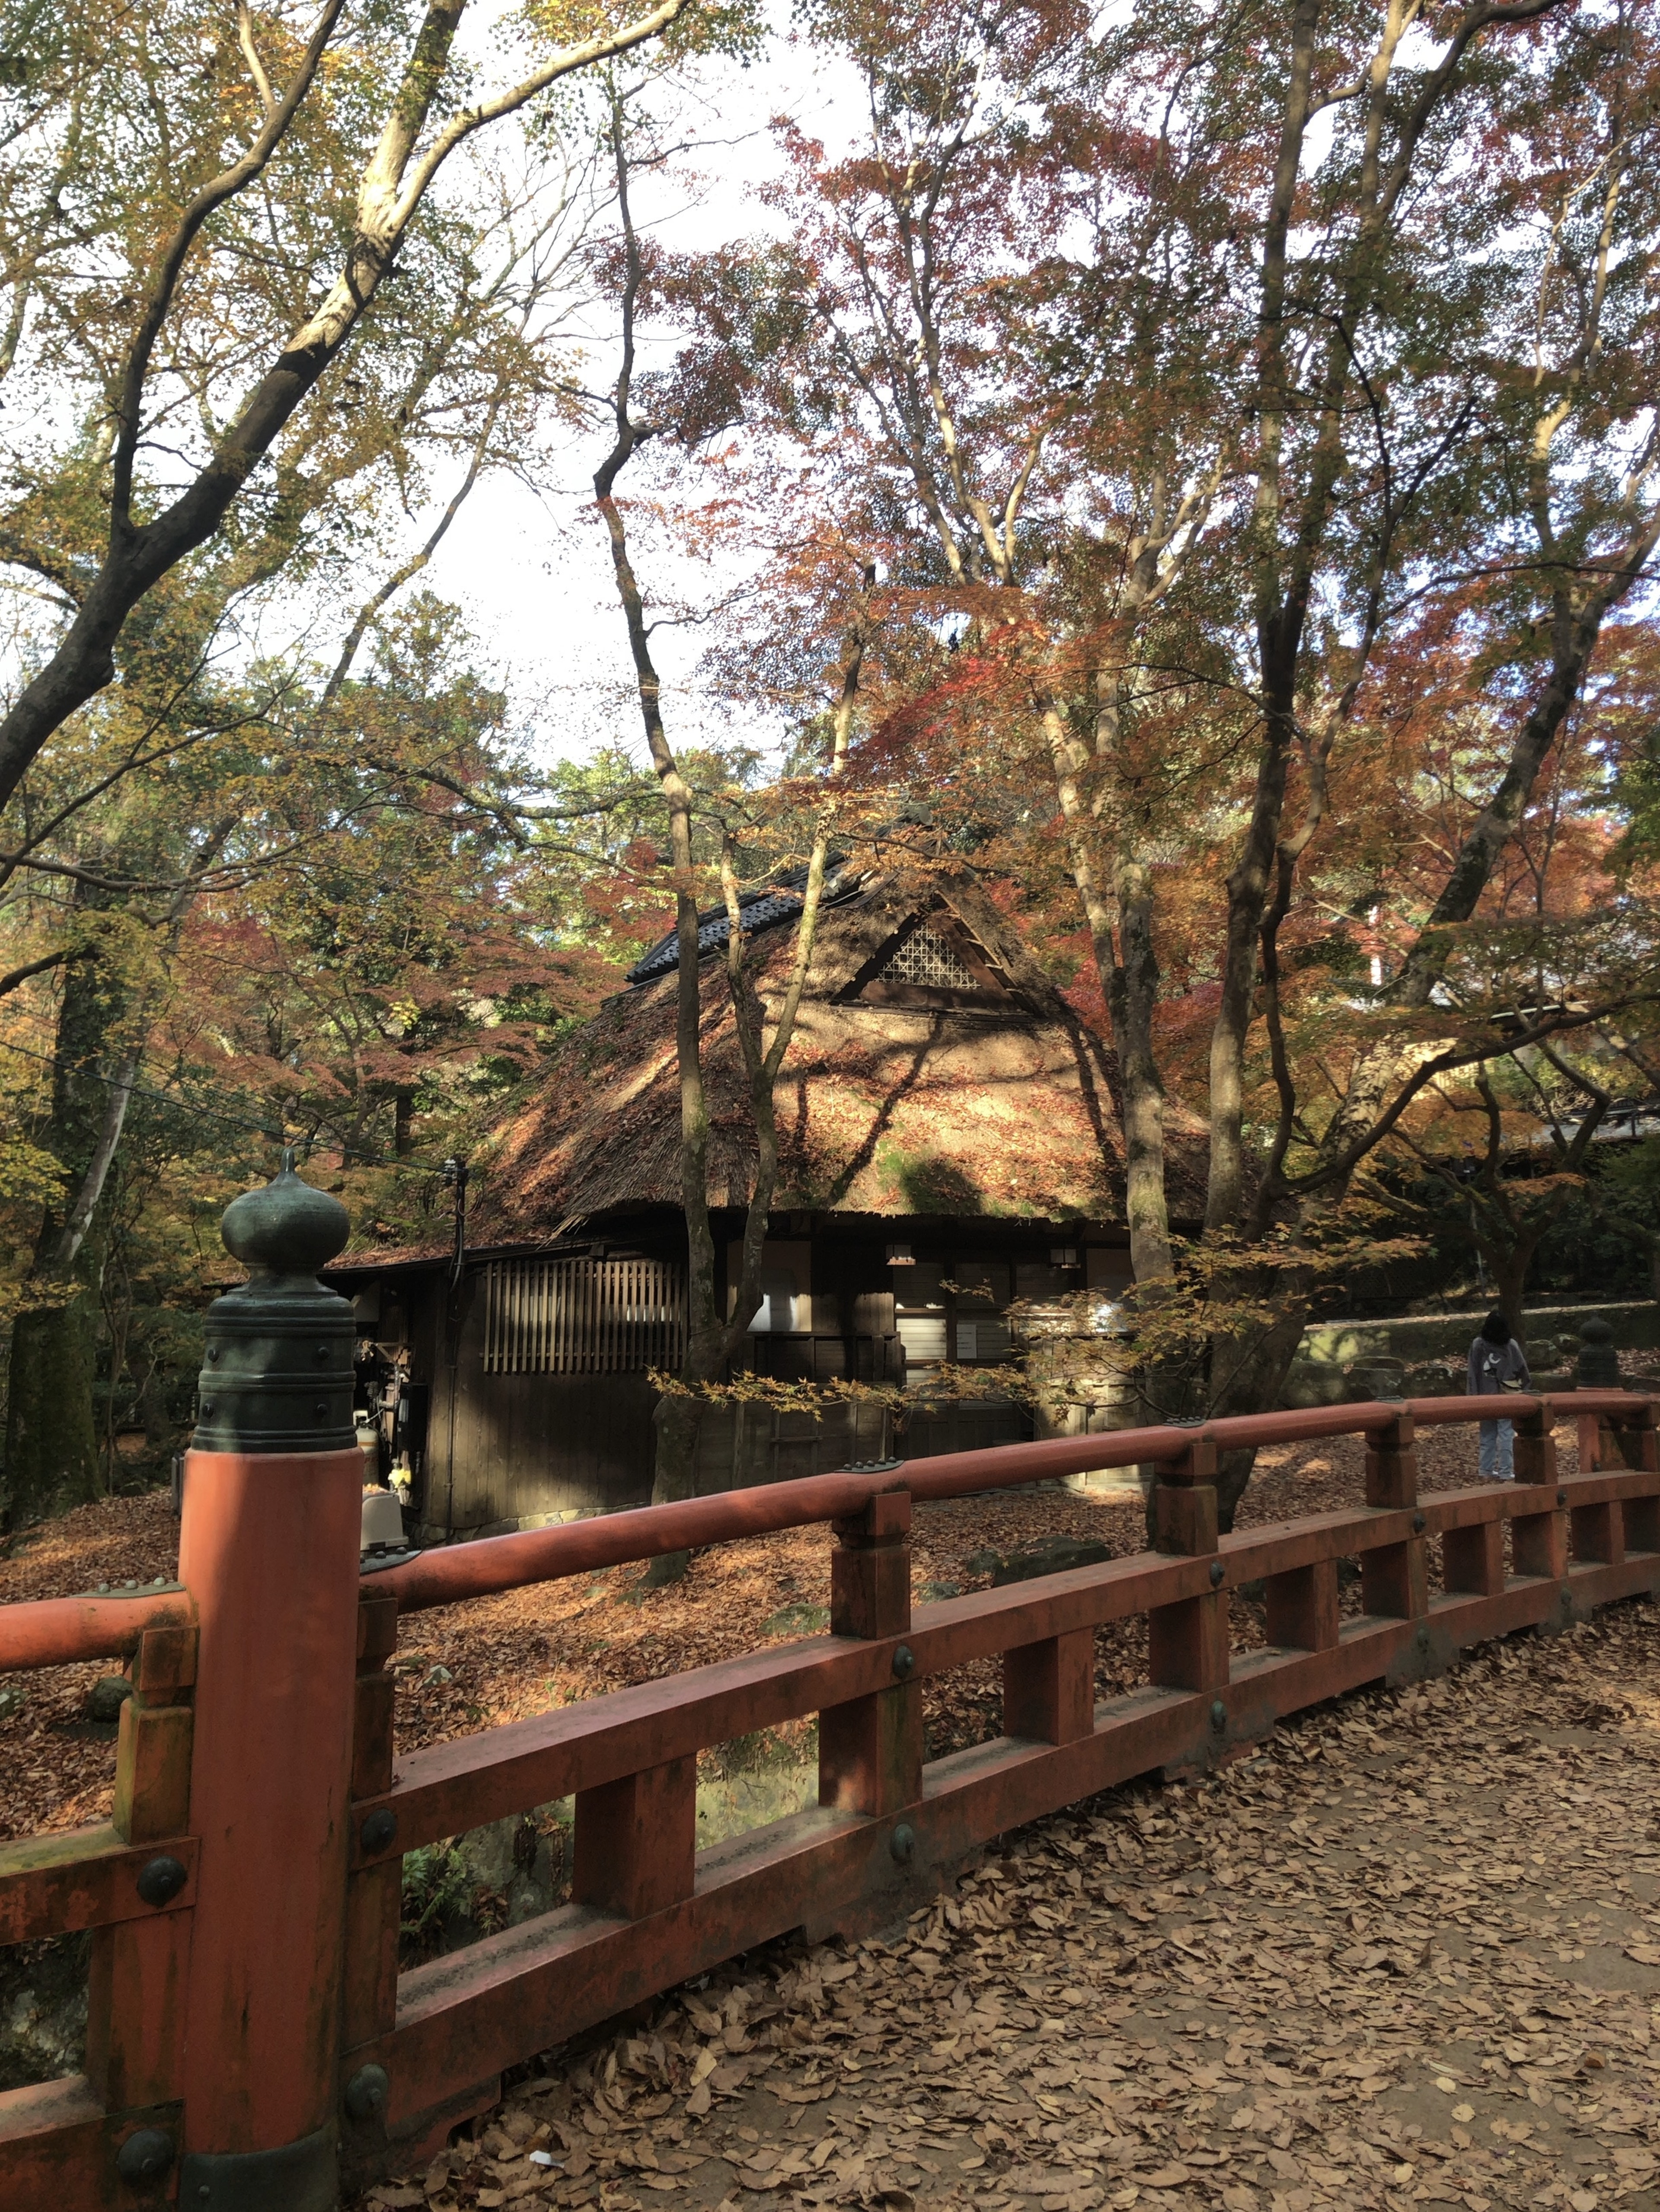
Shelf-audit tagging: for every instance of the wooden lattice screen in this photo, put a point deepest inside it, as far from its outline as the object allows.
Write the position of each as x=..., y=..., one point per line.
x=582, y=1316
x=925, y=958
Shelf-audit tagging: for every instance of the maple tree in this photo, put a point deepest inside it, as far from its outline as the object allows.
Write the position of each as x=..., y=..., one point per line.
x=1197, y=395
x=715, y=1329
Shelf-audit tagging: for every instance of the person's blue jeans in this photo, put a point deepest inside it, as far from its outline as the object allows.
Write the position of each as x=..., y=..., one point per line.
x=1497, y=1453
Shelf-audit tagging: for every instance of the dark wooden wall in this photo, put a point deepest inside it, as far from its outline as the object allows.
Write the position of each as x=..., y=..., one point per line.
x=517, y=1447
x=508, y=1448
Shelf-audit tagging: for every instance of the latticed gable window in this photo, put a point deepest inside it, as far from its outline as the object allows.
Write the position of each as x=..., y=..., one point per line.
x=582, y=1316
x=926, y=958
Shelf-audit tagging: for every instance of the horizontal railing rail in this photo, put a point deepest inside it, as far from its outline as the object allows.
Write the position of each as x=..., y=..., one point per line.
x=57, y=1631
x=502, y=1563
x=474, y=1779
x=426, y=2047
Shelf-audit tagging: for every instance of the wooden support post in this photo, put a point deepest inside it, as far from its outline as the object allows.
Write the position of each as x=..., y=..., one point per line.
x=636, y=1843
x=1596, y=1534
x=1302, y=1608
x=1538, y=1539
x=136, y=1978
x=1049, y=1688
x=1187, y=1641
x=871, y=1748
x=1535, y=1449
x=1642, y=1519
x=1392, y=1464
x=1473, y=1558
x=1588, y=1428
x=1394, y=1578
x=373, y=1894
x=1184, y=1502
x=268, y=1550
x=1635, y=1439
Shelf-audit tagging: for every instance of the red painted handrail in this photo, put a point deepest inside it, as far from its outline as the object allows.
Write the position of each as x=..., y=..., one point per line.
x=258, y=1757
x=501, y=1563
x=57, y=1631
x=54, y=1631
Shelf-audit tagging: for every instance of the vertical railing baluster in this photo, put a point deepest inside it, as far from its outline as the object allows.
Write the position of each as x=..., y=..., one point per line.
x=1049, y=1688
x=1302, y=1608
x=1188, y=1641
x=1394, y=1578
x=1539, y=1539
x=1635, y=1436
x=636, y=1841
x=136, y=1983
x=871, y=1748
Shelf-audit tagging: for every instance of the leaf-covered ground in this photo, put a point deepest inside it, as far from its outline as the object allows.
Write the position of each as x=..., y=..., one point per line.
x=1408, y=1952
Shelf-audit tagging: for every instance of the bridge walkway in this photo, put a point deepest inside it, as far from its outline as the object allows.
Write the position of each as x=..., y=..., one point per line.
x=1406, y=1953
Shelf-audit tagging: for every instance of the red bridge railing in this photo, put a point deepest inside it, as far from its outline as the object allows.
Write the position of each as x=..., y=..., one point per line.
x=248, y=2027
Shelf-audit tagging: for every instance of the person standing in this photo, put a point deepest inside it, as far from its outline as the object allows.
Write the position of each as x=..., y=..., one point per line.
x=1497, y=1363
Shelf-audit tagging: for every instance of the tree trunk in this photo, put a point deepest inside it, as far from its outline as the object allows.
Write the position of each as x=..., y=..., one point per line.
x=677, y=1424
x=711, y=1336
x=52, y=1457
x=1129, y=973
x=51, y=1446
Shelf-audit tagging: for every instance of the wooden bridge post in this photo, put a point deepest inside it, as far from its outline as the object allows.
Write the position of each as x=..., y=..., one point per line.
x=1597, y=1532
x=1539, y=1539
x=1394, y=1579
x=1187, y=1641
x=871, y=1748
x=268, y=1550
x=1634, y=1435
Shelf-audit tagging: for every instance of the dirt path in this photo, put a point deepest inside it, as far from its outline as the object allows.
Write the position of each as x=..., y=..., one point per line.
x=1407, y=1954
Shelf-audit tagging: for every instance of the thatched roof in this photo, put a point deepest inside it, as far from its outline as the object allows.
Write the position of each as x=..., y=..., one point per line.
x=896, y=1099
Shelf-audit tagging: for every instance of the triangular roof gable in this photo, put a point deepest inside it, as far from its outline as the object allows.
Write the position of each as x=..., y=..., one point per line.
x=887, y=1106
x=933, y=959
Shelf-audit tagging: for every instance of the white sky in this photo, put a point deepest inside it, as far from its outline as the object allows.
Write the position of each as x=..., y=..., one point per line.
x=533, y=571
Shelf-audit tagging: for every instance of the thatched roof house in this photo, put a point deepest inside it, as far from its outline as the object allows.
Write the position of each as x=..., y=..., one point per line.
x=949, y=1145
x=934, y=1072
